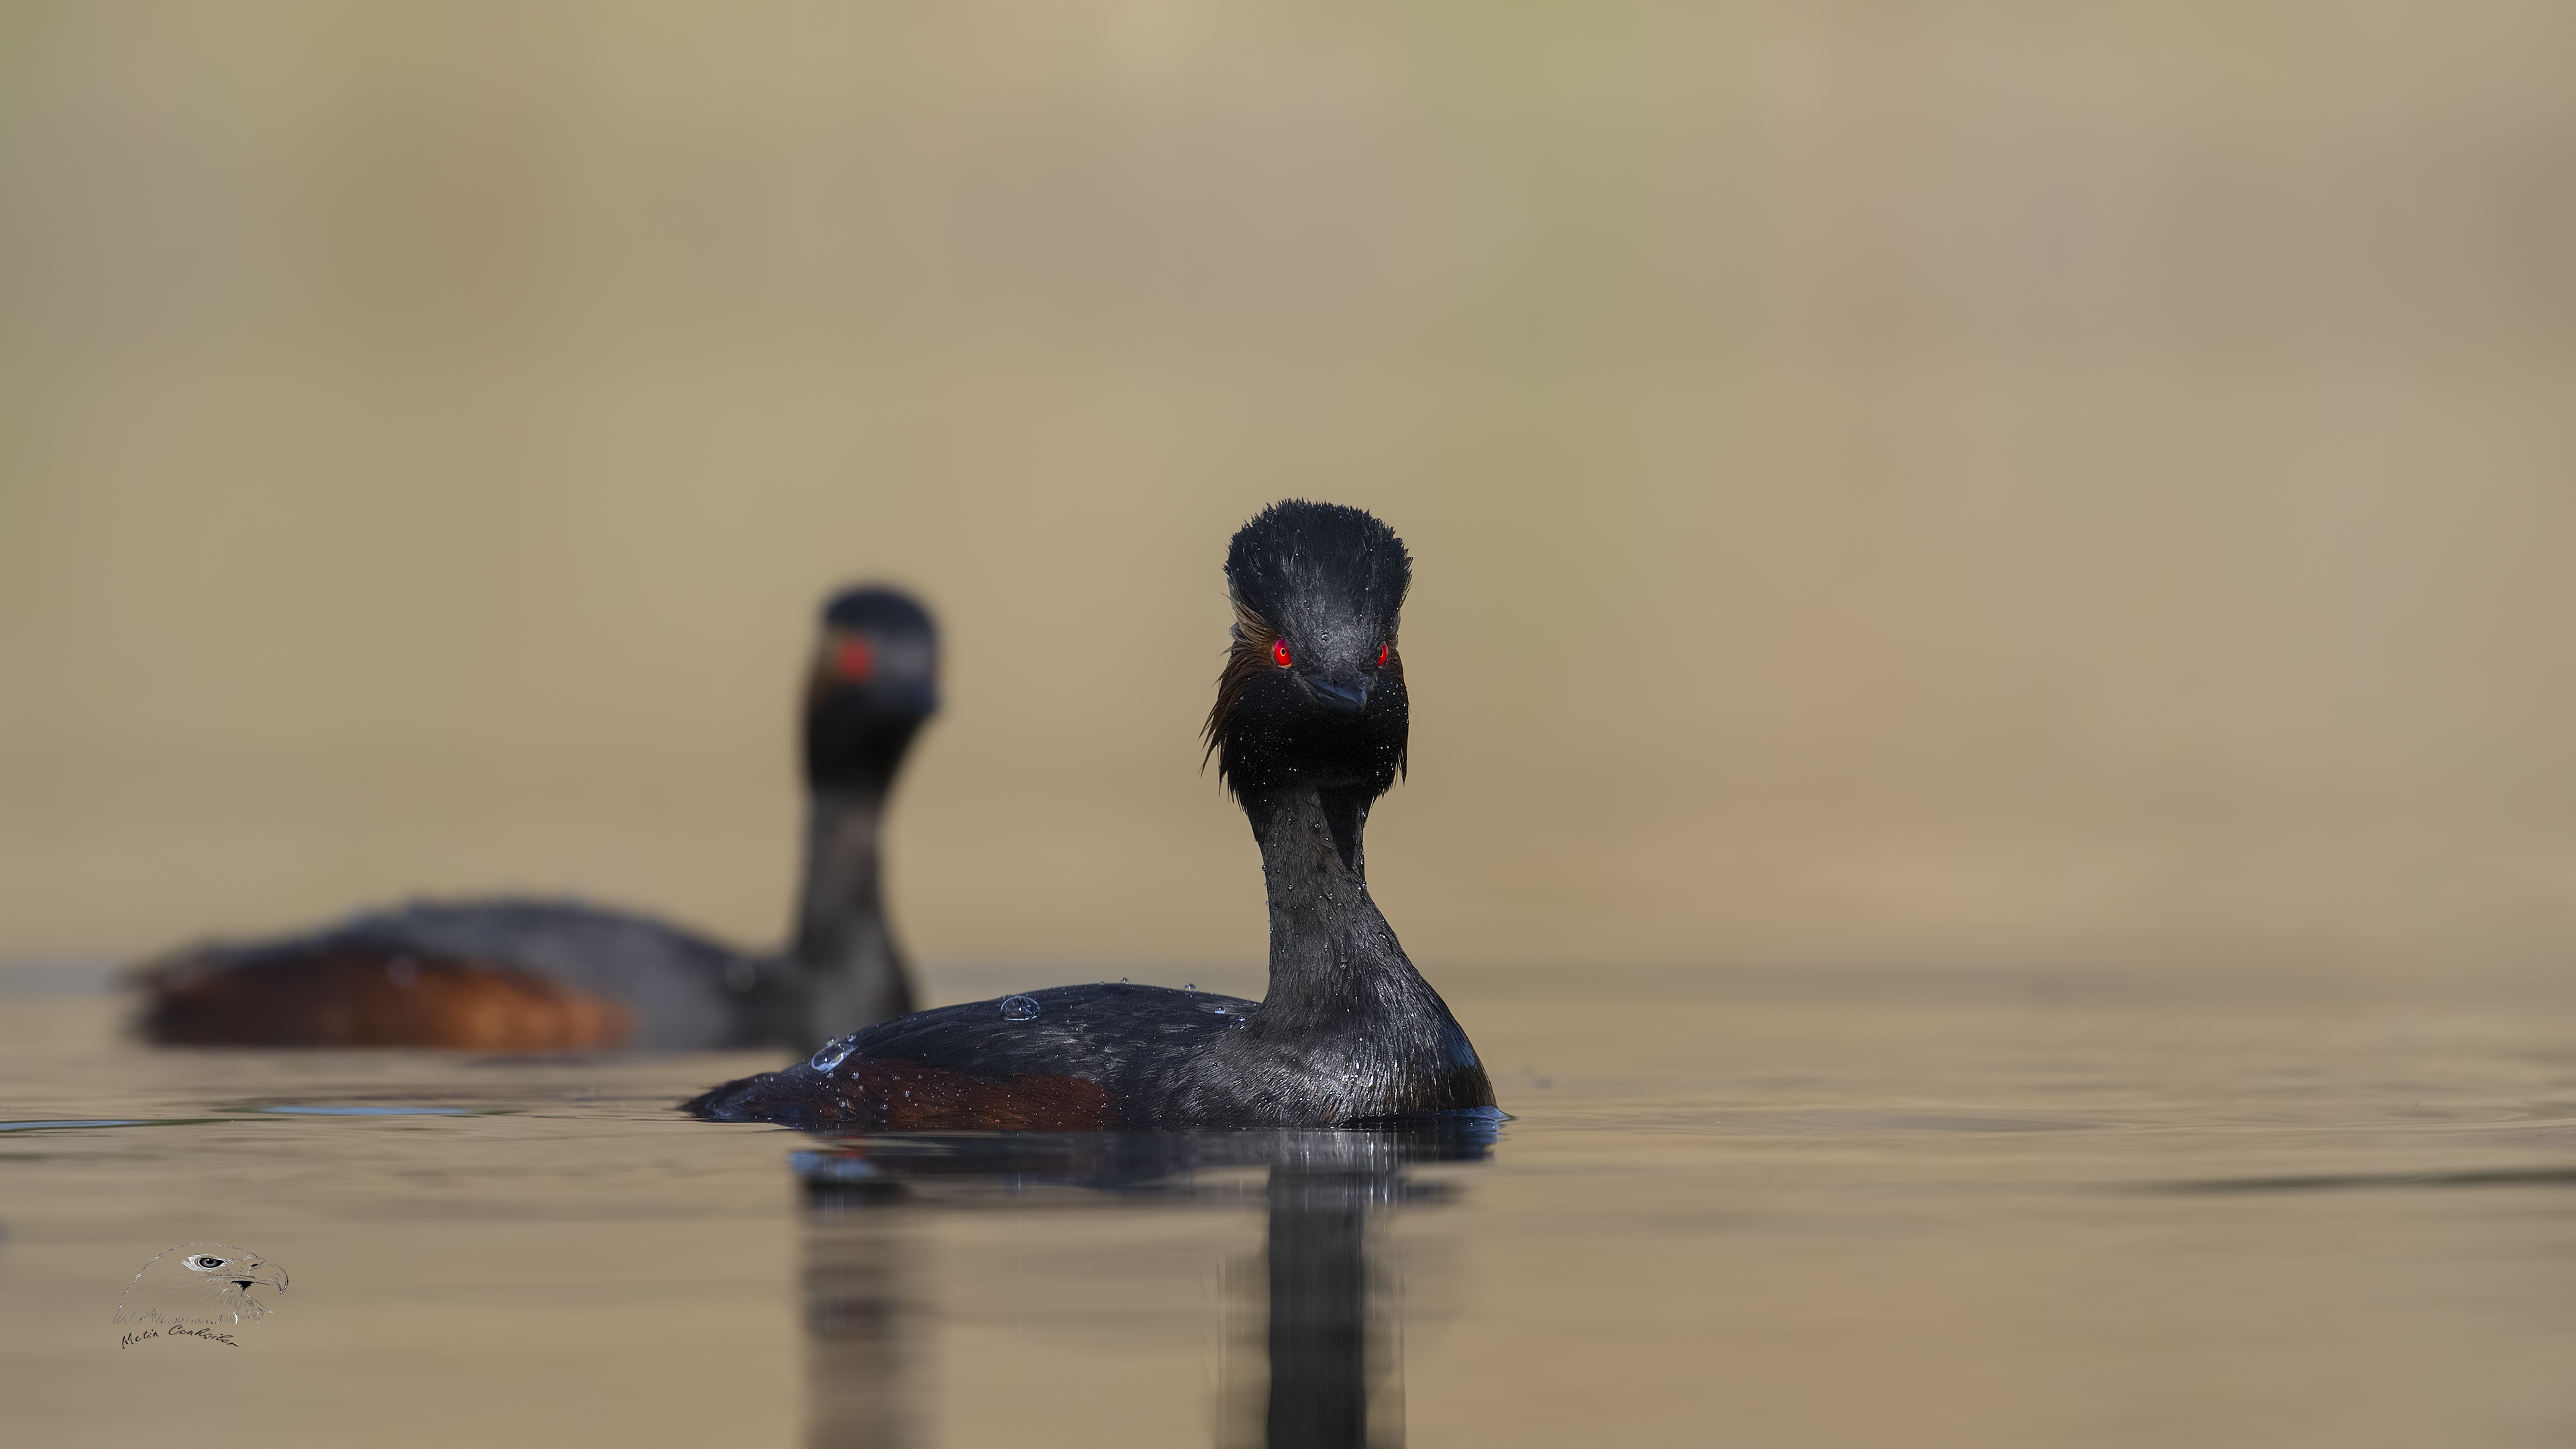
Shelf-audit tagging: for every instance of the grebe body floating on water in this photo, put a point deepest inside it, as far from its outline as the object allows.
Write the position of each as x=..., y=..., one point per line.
x=537, y=975
x=1308, y=729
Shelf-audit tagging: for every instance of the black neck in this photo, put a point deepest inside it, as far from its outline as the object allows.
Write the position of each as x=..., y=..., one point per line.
x=1338, y=979
x=847, y=955
x=1330, y=950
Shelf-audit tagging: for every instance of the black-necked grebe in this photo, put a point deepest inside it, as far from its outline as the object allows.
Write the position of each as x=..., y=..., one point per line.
x=516, y=974
x=1308, y=729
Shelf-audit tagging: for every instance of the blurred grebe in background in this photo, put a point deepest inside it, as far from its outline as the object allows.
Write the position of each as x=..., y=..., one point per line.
x=1309, y=728
x=514, y=974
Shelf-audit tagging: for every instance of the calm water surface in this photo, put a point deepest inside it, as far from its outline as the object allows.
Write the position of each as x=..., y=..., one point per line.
x=1756, y=1208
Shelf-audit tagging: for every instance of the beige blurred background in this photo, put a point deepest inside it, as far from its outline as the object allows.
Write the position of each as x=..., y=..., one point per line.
x=1892, y=484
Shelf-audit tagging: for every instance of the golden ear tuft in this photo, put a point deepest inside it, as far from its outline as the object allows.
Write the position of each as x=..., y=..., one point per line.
x=1248, y=660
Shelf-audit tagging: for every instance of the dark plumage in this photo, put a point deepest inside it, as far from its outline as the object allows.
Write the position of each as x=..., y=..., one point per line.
x=1309, y=729
x=512, y=974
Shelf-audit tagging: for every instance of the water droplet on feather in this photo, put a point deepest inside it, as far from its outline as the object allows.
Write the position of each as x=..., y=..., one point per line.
x=833, y=1054
x=1019, y=1008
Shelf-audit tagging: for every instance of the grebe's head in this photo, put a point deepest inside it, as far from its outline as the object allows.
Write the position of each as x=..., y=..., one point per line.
x=1313, y=689
x=875, y=679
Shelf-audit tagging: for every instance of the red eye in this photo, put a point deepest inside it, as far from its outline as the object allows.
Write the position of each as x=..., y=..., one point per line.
x=1381, y=654
x=1279, y=653
x=853, y=660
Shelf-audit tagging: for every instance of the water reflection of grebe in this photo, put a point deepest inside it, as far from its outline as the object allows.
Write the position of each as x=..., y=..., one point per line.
x=1319, y=1372
x=515, y=974
x=1309, y=729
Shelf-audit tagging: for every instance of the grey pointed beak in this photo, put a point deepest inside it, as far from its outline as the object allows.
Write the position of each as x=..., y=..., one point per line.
x=1343, y=689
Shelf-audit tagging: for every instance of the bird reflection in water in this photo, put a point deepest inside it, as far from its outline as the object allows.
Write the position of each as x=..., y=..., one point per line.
x=1315, y=1367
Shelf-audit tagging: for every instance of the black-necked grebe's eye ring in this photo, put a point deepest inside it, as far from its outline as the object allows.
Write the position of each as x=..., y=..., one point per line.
x=1279, y=654
x=1381, y=654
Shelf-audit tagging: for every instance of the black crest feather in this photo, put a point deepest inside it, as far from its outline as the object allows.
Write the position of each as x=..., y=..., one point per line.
x=1317, y=567
x=874, y=606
